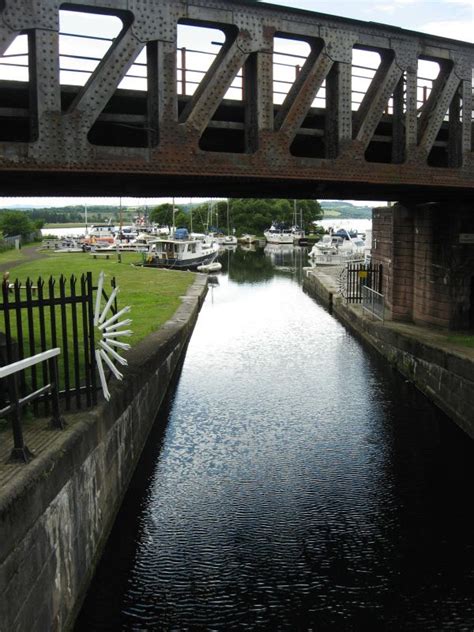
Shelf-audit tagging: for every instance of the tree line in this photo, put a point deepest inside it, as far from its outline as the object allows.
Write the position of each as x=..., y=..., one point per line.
x=240, y=215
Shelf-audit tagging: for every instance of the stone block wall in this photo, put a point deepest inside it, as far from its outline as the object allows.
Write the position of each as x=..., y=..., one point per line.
x=428, y=273
x=56, y=516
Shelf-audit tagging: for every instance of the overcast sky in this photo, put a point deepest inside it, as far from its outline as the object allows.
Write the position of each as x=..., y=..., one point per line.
x=447, y=18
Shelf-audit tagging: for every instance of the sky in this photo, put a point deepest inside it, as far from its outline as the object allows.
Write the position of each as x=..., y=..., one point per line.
x=446, y=18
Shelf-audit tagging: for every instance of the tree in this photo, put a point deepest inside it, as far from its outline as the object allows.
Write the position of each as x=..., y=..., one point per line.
x=311, y=211
x=15, y=223
x=255, y=215
x=162, y=215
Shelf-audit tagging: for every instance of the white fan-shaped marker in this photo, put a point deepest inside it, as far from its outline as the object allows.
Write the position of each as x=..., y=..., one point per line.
x=109, y=326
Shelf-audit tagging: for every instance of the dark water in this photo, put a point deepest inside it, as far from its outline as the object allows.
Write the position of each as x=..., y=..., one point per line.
x=293, y=482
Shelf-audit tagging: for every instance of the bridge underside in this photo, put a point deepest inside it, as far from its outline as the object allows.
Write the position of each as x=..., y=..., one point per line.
x=335, y=129
x=126, y=184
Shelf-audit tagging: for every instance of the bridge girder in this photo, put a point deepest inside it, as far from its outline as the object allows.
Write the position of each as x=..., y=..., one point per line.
x=73, y=141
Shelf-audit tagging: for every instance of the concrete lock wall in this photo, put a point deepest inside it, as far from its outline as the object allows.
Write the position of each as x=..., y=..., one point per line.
x=56, y=518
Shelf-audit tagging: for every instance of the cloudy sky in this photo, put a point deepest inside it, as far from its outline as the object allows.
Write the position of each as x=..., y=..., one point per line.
x=447, y=18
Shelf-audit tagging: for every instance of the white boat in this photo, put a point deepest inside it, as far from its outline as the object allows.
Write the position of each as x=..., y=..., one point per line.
x=140, y=244
x=180, y=252
x=226, y=240
x=101, y=233
x=338, y=249
x=280, y=233
x=214, y=266
x=248, y=239
x=223, y=239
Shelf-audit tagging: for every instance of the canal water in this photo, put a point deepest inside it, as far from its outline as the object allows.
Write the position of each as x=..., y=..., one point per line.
x=293, y=482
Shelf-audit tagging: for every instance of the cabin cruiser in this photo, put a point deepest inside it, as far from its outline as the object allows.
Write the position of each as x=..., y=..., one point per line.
x=281, y=233
x=337, y=249
x=180, y=252
x=101, y=233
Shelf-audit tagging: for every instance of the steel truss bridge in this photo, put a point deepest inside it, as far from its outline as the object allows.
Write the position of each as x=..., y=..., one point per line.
x=238, y=124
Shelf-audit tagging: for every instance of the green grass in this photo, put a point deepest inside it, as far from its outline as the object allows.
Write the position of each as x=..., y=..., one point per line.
x=154, y=295
x=15, y=255
x=66, y=225
x=465, y=340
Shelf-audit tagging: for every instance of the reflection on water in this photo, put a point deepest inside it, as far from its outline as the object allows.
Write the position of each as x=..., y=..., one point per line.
x=297, y=483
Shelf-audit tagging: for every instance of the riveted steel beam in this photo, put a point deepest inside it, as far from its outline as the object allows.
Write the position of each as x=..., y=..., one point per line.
x=159, y=135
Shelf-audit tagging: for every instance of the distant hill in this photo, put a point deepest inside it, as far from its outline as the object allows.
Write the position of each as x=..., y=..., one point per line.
x=345, y=210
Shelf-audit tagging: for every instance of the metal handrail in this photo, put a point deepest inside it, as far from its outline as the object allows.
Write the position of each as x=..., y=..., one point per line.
x=20, y=451
x=425, y=84
x=376, y=299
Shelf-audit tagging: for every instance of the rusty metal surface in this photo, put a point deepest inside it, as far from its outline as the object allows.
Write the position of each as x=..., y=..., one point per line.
x=172, y=159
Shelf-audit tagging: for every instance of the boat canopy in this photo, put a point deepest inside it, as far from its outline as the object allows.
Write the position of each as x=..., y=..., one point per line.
x=181, y=233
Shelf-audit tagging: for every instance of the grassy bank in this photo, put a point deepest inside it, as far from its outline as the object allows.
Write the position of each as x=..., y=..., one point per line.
x=463, y=340
x=68, y=225
x=154, y=295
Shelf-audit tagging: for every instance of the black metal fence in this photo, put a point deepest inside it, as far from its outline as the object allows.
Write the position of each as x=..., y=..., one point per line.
x=47, y=314
x=357, y=275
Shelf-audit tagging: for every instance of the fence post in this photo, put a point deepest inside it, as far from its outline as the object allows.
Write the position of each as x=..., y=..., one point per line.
x=57, y=421
x=90, y=308
x=20, y=451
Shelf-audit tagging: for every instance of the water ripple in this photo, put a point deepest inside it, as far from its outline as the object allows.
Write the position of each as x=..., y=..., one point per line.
x=300, y=485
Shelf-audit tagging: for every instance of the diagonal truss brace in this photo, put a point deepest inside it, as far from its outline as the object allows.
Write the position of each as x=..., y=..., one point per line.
x=434, y=111
x=303, y=92
x=375, y=100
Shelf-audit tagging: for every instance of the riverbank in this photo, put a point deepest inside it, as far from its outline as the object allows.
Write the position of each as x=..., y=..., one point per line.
x=154, y=295
x=442, y=370
x=56, y=511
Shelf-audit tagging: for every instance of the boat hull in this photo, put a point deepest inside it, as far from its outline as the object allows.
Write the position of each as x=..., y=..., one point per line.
x=153, y=261
x=278, y=239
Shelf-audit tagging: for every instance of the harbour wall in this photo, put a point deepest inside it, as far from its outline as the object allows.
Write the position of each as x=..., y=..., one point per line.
x=445, y=376
x=56, y=516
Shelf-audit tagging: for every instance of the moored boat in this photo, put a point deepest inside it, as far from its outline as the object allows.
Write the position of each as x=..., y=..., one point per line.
x=338, y=249
x=282, y=233
x=180, y=252
x=213, y=266
x=247, y=239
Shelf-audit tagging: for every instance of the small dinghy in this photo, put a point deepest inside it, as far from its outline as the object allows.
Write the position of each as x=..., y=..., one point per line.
x=210, y=267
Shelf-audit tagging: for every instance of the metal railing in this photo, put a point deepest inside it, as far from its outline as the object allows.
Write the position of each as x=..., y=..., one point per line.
x=48, y=314
x=11, y=372
x=373, y=303
x=189, y=77
x=358, y=275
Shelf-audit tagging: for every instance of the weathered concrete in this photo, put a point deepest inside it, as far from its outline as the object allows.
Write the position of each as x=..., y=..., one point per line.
x=440, y=370
x=55, y=518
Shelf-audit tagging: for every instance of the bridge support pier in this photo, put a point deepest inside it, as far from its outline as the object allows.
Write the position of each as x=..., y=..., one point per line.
x=428, y=260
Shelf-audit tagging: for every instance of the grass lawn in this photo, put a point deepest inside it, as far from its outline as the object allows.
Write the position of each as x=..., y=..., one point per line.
x=15, y=255
x=464, y=340
x=68, y=225
x=154, y=295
